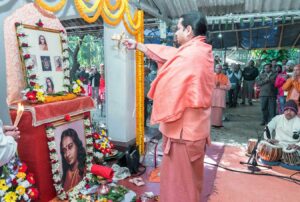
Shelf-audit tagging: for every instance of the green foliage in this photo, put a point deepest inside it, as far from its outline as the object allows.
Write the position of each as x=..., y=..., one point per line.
x=267, y=56
x=91, y=51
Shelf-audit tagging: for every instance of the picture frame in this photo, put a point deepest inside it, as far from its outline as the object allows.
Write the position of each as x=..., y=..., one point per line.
x=44, y=54
x=69, y=138
x=70, y=146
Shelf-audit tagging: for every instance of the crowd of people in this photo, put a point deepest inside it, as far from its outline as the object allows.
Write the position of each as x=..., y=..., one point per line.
x=94, y=83
x=277, y=82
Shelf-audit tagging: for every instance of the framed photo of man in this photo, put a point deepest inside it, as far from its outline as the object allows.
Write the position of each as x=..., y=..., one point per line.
x=46, y=64
x=71, y=148
x=45, y=50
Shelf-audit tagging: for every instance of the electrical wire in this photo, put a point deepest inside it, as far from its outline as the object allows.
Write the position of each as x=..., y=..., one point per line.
x=288, y=178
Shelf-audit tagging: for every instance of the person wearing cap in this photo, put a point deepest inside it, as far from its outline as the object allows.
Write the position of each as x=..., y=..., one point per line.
x=285, y=126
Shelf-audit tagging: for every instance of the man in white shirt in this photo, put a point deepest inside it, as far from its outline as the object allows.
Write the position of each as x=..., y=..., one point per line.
x=286, y=127
x=8, y=145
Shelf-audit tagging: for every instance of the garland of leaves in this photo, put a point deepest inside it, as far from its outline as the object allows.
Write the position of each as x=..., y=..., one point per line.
x=55, y=164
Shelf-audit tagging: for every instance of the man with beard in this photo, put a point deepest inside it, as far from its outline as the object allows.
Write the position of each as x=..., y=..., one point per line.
x=181, y=94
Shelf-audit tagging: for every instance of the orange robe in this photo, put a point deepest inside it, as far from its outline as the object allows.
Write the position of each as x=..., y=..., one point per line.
x=293, y=88
x=181, y=96
x=72, y=179
x=219, y=99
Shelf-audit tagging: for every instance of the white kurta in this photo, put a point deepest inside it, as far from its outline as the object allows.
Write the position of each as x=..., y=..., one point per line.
x=8, y=147
x=284, y=129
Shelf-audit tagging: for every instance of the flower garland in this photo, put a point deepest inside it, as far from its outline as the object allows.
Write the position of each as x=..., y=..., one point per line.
x=16, y=183
x=54, y=8
x=113, y=7
x=118, y=14
x=91, y=9
x=33, y=91
x=55, y=164
x=84, y=16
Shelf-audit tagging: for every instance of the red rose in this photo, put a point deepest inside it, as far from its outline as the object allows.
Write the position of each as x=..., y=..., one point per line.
x=33, y=76
x=87, y=186
x=14, y=182
x=33, y=193
x=82, y=90
x=31, y=95
x=39, y=23
x=30, y=67
x=21, y=35
x=26, y=56
x=23, y=168
x=24, y=45
x=30, y=178
x=32, y=83
x=50, y=139
x=67, y=117
x=86, y=115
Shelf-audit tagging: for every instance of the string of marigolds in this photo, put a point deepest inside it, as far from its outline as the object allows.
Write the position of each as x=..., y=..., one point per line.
x=74, y=194
x=111, y=14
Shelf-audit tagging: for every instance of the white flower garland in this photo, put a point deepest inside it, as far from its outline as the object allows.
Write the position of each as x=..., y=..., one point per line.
x=55, y=165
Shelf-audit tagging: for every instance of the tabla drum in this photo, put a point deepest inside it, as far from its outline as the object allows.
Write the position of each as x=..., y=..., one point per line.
x=251, y=145
x=290, y=157
x=269, y=152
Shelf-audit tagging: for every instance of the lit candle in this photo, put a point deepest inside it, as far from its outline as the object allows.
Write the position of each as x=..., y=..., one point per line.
x=19, y=114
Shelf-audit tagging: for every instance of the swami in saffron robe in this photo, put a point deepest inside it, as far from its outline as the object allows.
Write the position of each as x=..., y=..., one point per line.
x=181, y=94
x=219, y=99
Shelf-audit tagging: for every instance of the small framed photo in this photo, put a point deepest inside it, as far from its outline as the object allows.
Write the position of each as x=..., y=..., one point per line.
x=46, y=64
x=58, y=63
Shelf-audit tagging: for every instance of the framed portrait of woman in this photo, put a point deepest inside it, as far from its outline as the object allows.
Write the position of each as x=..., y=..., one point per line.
x=44, y=46
x=71, y=148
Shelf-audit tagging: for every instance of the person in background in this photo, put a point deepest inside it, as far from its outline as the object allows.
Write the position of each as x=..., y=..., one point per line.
x=147, y=83
x=267, y=93
x=284, y=126
x=9, y=135
x=280, y=80
x=249, y=75
x=235, y=76
x=283, y=62
x=292, y=86
x=95, y=81
x=73, y=158
x=182, y=97
x=273, y=65
x=222, y=85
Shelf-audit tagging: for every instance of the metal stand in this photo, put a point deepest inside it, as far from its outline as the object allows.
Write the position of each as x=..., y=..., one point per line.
x=252, y=162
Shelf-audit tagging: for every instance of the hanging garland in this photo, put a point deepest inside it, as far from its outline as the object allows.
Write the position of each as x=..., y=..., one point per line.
x=54, y=8
x=117, y=15
x=91, y=9
x=84, y=15
x=113, y=7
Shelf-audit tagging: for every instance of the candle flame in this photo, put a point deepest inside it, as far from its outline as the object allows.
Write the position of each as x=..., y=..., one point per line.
x=20, y=108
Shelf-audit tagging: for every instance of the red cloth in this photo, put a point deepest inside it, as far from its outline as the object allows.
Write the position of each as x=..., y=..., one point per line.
x=33, y=150
x=33, y=147
x=102, y=171
x=185, y=80
x=49, y=112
